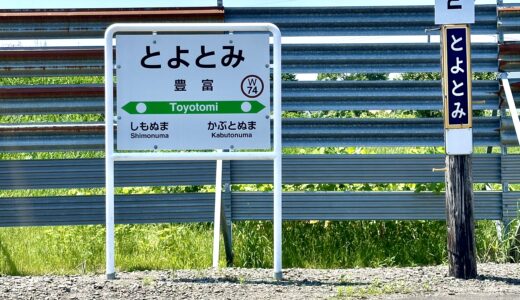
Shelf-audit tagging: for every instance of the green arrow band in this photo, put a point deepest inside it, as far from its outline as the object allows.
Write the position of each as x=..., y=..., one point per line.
x=192, y=107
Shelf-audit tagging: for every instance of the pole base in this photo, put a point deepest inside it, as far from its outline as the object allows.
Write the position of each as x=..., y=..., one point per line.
x=111, y=276
x=278, y=276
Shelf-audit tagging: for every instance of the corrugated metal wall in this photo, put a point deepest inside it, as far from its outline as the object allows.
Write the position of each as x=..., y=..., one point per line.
x=299, y=96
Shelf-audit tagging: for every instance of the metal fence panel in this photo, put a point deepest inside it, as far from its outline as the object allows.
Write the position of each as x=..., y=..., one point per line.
x=509, y=18
x=297, y=169
x=359, y=206
x=511, y=205
x=296, y=96
x=91, y=23
x=77, y=210
x=198, y=207
x=304, y=132
x=297, y=58
x=355, y=21
x=300, y=169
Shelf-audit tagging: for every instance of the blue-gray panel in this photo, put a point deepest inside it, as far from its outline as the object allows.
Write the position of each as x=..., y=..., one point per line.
x=511, y=205
x=75, y=23
x=296, y=58
x=78, y=210
x=296, y=96
x=509, y=18
x=297, y=169
x=45, y=211
x=355, y=21
x=378, y=95
x=511, y=168
x=375, y=132
x=301, y=169
x=358, y=206
x=304, y=132
x=378, y=58
x=88, y=173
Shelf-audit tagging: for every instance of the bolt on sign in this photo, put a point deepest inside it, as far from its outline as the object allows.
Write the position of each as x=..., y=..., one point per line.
x=193, y=92
x=456, y=70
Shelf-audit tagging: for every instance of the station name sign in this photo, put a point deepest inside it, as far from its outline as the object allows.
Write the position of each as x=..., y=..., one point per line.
x=456, y=76
x=193, y=91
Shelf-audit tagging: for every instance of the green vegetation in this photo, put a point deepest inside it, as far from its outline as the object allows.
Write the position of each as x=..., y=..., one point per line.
x=377, y=288
x=310, y=244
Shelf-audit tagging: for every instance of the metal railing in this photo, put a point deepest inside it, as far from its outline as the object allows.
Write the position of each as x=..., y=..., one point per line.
x=298, y=96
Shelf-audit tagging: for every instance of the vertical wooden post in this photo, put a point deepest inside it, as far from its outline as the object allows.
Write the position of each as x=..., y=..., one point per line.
x=459, y=217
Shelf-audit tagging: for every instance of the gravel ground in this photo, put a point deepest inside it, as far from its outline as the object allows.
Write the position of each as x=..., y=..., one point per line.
x=496, y=281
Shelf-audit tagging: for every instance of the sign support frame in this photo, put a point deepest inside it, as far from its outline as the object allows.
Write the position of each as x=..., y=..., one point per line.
x=458, y=140
x=275, y=155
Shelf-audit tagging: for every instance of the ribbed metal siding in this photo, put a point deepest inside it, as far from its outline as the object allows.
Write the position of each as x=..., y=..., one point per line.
x=91, y=23
x=89, y=173
x=297, y=169
x=76, y=210
x=355, y=21
x=358, y=206
x=511, y=205
x=323, y=58
x=304, y=132
x=198, y=207
x=360, y=169
x=511, y=168
x=296, y=96
x=509, y=18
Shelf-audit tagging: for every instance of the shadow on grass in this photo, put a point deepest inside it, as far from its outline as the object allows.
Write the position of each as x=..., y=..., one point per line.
x=11, y=267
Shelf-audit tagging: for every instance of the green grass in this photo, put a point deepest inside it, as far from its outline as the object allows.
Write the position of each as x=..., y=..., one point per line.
x=52, y=80
x=310, y=244
x=377, y=288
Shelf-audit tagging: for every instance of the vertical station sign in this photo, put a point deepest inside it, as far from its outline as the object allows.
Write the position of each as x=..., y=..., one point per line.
x=454, y=15
x=456, y=76
x=193, y=91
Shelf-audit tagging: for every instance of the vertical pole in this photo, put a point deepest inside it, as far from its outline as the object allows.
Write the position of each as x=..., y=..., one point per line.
x=459, y=217
x=225, y=226
x=218, y=210
x=277, y=141
x=109, y=160
x=226, y=232
x=459, y=182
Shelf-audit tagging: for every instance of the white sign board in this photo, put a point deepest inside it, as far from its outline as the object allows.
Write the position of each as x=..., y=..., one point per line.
x=458, y=141
x=454, y=11
x=193, y=92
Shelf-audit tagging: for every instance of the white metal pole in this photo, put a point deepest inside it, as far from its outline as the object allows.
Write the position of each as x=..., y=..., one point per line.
x=277, y=141
x=218, y=207
x=109, y=161
x=512, y=107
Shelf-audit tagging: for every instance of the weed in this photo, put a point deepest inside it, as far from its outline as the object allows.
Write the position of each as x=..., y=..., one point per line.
x=147, y=281
x=376, y=288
